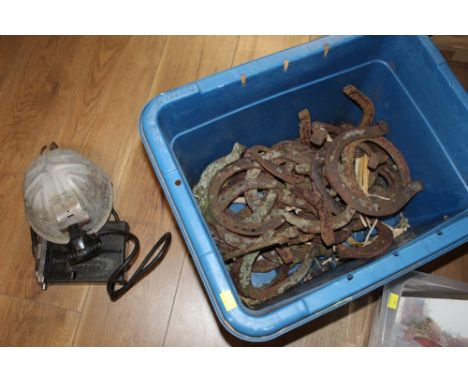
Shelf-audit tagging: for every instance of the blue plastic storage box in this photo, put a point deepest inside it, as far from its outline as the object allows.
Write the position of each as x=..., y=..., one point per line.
x=413, y=89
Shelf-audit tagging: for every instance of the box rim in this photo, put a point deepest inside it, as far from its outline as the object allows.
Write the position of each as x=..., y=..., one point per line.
x=237, y=321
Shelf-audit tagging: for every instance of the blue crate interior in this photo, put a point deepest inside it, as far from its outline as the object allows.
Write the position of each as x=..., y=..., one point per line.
x=264, y=111
x=408, y=80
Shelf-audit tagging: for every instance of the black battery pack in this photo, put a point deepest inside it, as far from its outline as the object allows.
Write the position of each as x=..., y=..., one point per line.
x=57, y=269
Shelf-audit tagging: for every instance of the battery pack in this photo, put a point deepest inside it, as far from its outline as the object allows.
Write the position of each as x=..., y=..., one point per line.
x=57, y=269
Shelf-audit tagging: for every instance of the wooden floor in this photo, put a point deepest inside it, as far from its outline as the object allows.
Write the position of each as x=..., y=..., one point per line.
x=86, y=93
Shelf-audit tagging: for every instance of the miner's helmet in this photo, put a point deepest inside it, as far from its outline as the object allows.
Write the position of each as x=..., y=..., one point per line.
x=62, y=188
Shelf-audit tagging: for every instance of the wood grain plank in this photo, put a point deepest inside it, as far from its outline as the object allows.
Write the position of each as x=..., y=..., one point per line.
x=453, y=265
x=92, y=113
x=10, y=56
x=348, y=325
x=142, y=316
x=315, y=37
x=193, y=321
x=104, y=121
x=86, y=93
x=32, y=112
x=25, y=323
x=189, y=58
x=252, y=47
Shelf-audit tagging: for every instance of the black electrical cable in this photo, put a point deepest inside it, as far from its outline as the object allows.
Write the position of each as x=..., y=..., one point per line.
x=115, y=215
x=142, y=270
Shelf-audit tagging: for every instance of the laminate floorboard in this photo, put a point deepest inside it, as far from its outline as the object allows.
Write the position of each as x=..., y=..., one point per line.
x=86, y=93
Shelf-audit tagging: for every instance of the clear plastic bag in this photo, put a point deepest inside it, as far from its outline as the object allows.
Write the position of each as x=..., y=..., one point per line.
x=422, y=310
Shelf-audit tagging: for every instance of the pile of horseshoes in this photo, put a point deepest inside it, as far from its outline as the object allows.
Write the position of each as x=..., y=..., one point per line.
x=301, y=200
